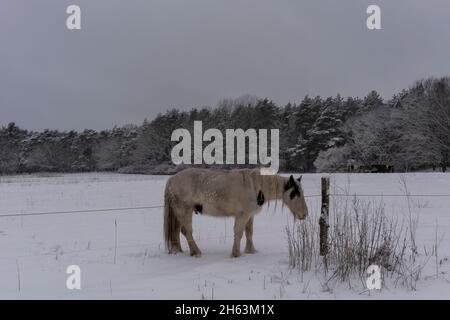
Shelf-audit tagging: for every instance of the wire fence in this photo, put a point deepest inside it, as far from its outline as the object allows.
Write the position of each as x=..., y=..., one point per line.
x=110, y=210
x=57, y=254
x=107, y=210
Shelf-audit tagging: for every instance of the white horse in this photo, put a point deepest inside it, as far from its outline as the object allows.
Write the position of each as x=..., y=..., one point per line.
x=237, y=193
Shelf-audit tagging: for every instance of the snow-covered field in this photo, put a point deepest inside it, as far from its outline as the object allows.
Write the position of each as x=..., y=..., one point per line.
x=36, y=250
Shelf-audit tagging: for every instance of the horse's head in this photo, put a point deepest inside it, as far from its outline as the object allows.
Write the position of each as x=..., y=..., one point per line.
x=293, y=197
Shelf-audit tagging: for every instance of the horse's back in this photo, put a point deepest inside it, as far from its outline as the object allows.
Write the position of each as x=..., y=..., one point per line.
x=201, y=173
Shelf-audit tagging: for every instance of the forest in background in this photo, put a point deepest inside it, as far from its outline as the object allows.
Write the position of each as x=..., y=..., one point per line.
x=410, y=131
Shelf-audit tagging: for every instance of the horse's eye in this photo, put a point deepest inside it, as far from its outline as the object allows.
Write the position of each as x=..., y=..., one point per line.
x=292, y=194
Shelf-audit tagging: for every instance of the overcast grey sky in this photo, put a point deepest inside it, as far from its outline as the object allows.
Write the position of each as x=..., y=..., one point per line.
x=135, y=58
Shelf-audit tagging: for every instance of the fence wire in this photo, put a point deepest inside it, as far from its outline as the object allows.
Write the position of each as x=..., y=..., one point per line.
x=76, y=211
x=108, y=210
x=158, y=244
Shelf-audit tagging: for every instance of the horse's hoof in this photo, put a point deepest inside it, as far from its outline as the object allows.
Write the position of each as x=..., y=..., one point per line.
x=251, y=250
x=196, y=254
x=235, y=254
x=175, y=250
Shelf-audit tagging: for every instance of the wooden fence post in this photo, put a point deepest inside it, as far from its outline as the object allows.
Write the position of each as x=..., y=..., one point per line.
x=324, y=213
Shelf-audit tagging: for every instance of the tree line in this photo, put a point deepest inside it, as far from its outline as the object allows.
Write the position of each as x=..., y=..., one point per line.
x=411, y=131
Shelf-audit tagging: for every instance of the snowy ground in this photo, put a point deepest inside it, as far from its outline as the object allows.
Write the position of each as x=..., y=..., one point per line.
x=36, y=250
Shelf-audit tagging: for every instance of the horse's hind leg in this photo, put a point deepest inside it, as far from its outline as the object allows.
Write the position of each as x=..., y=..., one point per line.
x=249, y=247
x=186, y=229
x=176, y=244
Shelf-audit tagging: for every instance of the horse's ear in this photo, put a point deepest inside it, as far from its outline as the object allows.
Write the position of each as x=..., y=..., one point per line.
x=291, y=180
x=290, y=183
x=300, y=179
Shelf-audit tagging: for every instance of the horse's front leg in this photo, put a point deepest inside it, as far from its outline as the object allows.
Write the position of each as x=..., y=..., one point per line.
x=249, y=247
x=239, y=225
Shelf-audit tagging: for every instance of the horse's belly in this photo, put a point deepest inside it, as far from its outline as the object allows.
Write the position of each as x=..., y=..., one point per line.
x=214, y=211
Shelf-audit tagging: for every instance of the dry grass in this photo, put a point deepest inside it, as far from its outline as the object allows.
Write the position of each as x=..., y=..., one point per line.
x=361, y=234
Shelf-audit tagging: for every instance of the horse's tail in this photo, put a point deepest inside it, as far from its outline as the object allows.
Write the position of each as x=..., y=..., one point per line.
x=171, y=223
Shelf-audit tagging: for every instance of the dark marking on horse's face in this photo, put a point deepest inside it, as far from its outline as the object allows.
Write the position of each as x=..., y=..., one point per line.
x=260, y=198
x=295, y=199
x=294, y=193
x=294, y=185
x=198, y=208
